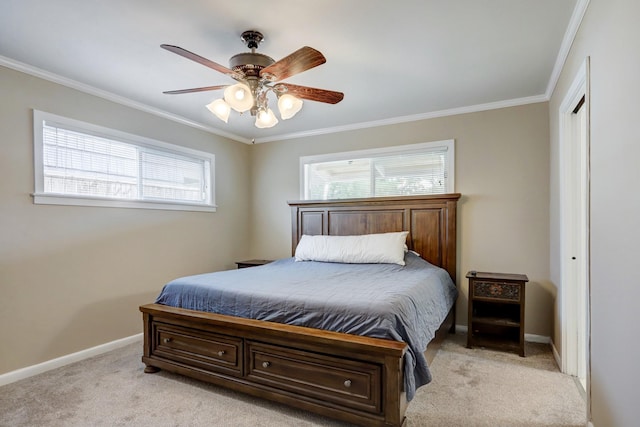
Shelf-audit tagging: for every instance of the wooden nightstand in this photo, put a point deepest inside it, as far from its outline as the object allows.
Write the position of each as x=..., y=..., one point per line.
x=253, y=262
x=496, y=310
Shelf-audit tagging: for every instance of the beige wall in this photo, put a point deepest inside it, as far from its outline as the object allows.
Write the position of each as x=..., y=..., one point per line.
x=609, y=35
x=73, y=277
x=502, y=171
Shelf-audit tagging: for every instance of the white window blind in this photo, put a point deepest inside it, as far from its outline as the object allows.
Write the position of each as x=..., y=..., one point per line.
x=170, y=177
x=396, y=171
x=84, y=164
x=80, y=164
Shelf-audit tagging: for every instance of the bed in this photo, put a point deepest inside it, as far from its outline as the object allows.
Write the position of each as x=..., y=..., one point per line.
x=354, y=378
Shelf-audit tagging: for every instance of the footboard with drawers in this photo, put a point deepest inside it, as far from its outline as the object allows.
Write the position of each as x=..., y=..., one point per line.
x=356, y=379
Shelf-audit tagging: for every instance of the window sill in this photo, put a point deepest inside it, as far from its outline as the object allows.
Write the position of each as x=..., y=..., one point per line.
x=58, y=199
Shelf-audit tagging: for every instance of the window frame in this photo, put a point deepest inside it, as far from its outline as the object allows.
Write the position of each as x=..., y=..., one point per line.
x=147, y=144
x=383, y=152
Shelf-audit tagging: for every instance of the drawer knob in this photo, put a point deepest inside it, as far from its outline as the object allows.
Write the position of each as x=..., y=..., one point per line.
x=347, y=383
x=167, y=340
x=221, y=352
x=265, y=364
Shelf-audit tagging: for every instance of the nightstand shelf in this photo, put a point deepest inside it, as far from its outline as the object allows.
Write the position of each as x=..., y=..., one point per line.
x=498, y=321
x=496, y=311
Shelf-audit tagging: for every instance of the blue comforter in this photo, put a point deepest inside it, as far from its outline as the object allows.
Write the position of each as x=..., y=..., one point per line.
x=403, y=303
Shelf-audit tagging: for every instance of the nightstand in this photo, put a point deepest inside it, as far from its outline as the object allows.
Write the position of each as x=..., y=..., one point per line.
x=496, y=310
x=253, y=262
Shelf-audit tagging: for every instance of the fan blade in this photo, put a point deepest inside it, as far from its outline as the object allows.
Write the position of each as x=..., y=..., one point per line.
x=301, y=60
x=200, y=60
x=312, y=94
x=195, y=89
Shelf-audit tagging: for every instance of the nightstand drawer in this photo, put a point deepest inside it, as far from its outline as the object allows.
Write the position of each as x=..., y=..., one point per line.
x=497, y=290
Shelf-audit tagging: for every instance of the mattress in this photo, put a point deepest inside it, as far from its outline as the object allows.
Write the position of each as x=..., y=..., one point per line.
x=403, y=303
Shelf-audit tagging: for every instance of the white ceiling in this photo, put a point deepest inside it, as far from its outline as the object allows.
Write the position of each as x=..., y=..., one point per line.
x=394, y=60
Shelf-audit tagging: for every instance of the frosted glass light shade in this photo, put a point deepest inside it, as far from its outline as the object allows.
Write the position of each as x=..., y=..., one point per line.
x=220, y=108
x=266, y=119
x=239, y=97
x=288, y=105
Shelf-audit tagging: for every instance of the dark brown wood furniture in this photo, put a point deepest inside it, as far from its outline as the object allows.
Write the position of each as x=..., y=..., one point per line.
x=352, y=378
x=253, y=263
x=496, y=310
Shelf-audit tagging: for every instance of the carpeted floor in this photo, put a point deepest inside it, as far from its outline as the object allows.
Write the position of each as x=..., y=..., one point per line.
x=475, y=387
x=479, y=387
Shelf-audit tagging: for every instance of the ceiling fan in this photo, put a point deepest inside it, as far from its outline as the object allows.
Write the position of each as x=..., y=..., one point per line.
x=257, y=75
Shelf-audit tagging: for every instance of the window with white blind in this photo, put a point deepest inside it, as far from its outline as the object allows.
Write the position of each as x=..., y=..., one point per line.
x=415, y=169
x=79, y=163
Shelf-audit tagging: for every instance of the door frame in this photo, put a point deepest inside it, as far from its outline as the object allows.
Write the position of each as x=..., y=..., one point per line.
x=568, y=171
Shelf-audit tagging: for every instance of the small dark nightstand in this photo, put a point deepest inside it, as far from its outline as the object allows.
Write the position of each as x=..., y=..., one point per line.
x=496, y=310
x=253, y=262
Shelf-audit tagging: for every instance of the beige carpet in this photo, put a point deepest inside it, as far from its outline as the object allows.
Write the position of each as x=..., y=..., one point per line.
x=470, y=388
x=478, y=387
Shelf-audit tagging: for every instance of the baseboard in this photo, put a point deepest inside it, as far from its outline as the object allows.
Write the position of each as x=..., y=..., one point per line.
x=537, y=338
x=527, y=337
x=461, y=329
x=30, y=371
x=590, y=424
x=556, y=356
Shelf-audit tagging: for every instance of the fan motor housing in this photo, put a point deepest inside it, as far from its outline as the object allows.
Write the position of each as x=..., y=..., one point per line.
x=250, y=63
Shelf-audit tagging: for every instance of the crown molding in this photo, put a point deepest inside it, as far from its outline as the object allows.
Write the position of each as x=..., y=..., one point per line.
x=109, y=96
x=569, y=36
x=570, y=33
x=411, y=118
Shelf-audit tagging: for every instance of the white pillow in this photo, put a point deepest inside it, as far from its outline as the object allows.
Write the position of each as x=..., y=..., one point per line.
x=381, y=248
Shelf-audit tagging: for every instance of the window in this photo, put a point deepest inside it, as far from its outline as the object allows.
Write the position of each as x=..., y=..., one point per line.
x=78, y=163
x=426, y=168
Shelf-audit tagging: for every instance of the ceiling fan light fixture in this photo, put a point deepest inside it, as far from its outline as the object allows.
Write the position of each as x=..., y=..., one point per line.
x=220, y=108
x=289, y=106
x=256, y=75
x=239, y=97
x=266, y=119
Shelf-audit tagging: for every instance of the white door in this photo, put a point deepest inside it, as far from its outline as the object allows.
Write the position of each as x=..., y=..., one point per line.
x=574, y=173
x=580, y=234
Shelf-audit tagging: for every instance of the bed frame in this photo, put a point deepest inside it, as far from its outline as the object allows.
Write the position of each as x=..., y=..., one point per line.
x=347, y=377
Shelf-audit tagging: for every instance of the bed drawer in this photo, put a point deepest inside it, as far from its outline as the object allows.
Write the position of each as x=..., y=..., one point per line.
x=497, y=290
x=329, y=379
x=198, y=348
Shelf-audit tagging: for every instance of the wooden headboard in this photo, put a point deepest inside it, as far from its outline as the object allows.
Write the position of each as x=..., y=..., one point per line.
x=430, y=220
